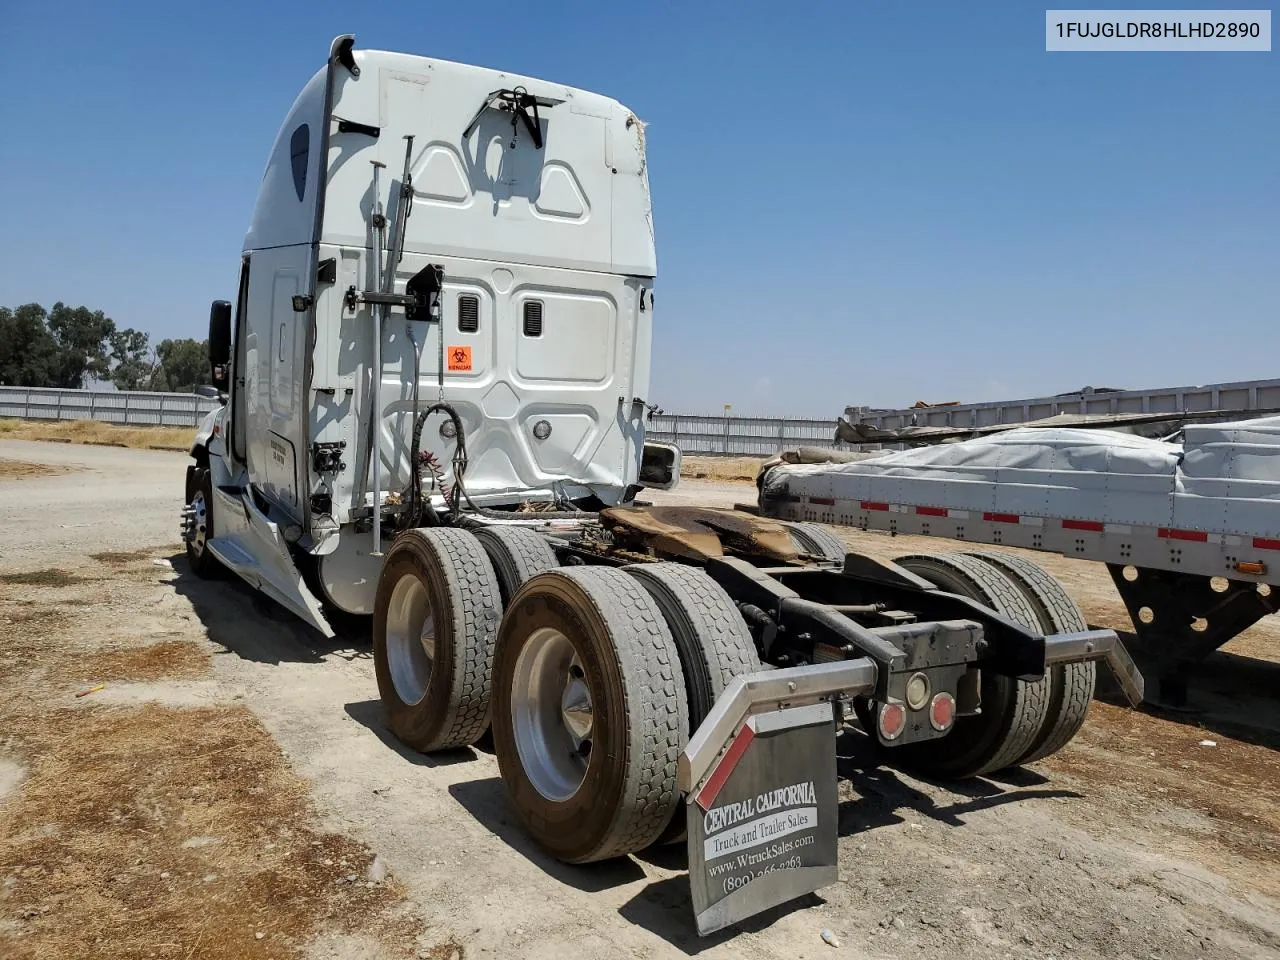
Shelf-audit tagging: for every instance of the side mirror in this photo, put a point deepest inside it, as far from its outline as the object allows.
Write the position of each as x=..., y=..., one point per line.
x=220, y=344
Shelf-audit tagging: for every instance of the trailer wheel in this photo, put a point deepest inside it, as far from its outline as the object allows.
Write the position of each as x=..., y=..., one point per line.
x=589, y=713
x=517, y=554
x=435, y=620
x=817, y=540
x=1071, y=685
x=1013, y=711
x=199, y=501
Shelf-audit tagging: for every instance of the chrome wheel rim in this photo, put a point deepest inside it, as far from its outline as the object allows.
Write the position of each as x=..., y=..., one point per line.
x=551, y=711
x=411, y=639
x=199, y=522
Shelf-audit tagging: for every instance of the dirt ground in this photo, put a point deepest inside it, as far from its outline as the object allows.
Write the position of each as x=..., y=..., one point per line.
x=225, y=787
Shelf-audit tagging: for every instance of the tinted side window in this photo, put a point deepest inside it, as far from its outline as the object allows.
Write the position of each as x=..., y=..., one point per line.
x=299, y=151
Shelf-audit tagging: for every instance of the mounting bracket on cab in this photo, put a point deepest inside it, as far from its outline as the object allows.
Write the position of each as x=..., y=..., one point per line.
x=416, y=300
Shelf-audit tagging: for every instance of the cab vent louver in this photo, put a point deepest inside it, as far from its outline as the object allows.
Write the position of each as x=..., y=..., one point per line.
x=468, y=314
x=533, y=318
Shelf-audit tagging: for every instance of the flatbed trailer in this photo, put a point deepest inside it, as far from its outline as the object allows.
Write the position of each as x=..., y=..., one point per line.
x=434, y=404
x=1189, y=530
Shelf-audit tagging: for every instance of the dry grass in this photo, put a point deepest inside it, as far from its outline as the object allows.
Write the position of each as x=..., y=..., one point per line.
x=52, y=577
x=102, y=434
x=170, y=660
x=162, y=832
x=157, y=831
x=721, y=468
x=21, y=470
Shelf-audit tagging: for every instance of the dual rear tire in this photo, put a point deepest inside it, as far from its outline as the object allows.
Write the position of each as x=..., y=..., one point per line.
x=590, y=678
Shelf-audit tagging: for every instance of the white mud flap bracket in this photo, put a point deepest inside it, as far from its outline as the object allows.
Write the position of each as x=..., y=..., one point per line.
x=759, y=778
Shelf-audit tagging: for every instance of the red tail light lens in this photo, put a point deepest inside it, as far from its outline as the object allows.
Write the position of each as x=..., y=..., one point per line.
x=942, y=711
x=892, y=721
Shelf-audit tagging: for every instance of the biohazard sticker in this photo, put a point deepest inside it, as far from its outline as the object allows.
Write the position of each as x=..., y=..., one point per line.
x=459, y=358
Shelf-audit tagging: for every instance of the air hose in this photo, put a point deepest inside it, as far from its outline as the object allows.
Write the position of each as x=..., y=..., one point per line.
x=454, y=497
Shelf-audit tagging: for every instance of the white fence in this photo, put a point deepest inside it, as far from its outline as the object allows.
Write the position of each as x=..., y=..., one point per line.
x=743, y=436
x=133, y=407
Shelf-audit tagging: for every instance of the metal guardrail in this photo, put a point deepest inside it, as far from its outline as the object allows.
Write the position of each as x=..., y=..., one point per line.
x=126, y=407
x=1245, y=395
x=742, y=436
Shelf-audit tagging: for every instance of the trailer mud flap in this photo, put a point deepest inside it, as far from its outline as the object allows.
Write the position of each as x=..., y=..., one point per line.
x=762, y=823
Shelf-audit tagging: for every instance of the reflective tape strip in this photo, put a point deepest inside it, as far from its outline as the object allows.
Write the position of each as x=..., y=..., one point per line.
x=823, y=501
x=873, y=505
x=931, y=511
x=1266, y=543
x=958, y=514
x=1196, y=536
x=1001, y=517
x=1117, y=528
x=1032, y=521
x=707, y=795
x=1092, y=526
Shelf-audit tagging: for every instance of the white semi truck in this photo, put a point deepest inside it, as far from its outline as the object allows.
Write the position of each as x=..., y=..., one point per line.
x=435, y=384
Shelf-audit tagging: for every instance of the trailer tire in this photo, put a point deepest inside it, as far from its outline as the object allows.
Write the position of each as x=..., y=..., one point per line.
x=817, y=540
x=1013, y=711
x=199, y=496
x=436, y=698
x=517, y=555
x=606, y=787
x=1071, y=685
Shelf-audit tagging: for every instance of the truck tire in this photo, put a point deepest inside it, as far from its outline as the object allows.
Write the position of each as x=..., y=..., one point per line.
x=1013, y=711
x=517, y=554
x=713, y=640
x=199, y=497
x=435, y=621
x=1071, y=685
x=589, y=713
x=816, y=540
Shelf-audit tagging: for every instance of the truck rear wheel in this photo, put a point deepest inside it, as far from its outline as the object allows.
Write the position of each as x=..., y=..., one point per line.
x=816, y=540
x=435, y=620
x=198, y=522
x=517, y=554
x=713, y=640
x=589, y=713
x=1071, y=685
x=1013, y=711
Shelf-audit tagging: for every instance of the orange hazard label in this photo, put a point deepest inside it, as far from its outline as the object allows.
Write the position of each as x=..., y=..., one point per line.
x=459, y=358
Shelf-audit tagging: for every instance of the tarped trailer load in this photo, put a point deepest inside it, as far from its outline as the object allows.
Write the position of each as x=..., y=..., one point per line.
x=1190, y=531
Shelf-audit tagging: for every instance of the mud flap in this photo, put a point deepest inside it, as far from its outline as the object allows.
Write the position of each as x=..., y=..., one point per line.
x=255, y=550
x=762, y=822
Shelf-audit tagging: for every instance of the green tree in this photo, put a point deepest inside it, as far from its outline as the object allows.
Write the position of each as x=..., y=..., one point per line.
x=28, y=352
x=82, y=336
x=181, y=365
x=132, y=363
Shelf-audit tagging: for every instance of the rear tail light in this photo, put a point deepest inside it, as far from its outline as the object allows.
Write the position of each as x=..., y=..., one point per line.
x=892, y=720
x=942, y=711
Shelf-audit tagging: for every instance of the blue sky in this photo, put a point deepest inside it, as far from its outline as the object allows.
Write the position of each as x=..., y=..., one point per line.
x=855, y=202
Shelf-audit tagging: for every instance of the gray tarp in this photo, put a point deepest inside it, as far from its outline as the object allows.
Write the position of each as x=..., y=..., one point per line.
x=1224, y=478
